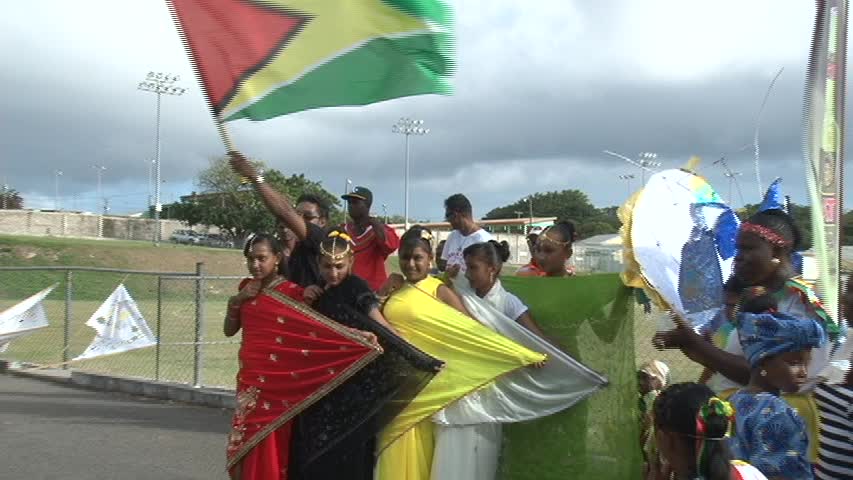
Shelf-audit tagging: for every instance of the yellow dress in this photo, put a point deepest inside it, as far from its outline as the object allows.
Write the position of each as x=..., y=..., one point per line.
x=474, y=356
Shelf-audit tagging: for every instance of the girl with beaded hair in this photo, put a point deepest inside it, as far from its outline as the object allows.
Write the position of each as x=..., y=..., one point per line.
x=691, y=430
x=338, y=433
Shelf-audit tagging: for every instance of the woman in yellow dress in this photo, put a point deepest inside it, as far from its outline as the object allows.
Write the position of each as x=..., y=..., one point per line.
x=429, y=315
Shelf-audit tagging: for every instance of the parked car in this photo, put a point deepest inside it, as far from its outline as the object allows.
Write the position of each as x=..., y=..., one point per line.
x=187, y=237
x=217, y=240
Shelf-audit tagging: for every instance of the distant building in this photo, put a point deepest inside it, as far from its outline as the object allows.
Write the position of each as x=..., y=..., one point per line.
x=502, y=225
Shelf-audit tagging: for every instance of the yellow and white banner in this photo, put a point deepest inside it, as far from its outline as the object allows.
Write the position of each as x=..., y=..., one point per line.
x=23, y=318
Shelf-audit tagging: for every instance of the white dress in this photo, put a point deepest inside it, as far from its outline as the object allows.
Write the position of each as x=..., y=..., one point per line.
x=468, y=432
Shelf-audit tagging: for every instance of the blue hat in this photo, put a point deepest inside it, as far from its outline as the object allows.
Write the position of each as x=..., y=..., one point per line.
x=763, y=335
x=773, y=198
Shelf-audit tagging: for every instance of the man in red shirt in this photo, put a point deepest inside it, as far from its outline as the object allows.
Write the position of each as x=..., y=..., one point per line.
x=373, y=240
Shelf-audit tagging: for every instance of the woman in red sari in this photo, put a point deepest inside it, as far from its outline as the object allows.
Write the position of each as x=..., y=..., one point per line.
x=290, y=357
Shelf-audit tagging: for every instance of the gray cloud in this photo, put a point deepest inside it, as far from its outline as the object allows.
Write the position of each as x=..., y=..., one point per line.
x=540, y=92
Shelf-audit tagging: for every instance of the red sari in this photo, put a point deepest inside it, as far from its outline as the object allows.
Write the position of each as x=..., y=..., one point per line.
x=290, y=357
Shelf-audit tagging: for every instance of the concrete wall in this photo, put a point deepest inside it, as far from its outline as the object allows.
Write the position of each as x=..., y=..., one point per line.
x=68, y=224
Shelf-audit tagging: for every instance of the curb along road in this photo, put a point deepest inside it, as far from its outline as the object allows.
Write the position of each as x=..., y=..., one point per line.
x=208, y=397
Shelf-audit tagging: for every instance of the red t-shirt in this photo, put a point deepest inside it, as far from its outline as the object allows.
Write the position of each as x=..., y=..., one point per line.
x=371, y=254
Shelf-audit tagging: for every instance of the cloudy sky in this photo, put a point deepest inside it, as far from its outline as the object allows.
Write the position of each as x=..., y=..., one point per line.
x=542, y=88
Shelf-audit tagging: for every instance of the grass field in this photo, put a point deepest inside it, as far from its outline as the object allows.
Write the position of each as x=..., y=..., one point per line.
x=178, y=309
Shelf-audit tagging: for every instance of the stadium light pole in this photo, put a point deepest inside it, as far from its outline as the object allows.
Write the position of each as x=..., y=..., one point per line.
x=346, y=203
x=56, y=175
x=731, y=175
x=99, y=170
x=385, y=212
x=647, y=160
x=529, y=201
x=407, y=126
x=150, y=184
x=627, y=178
x=161, y=84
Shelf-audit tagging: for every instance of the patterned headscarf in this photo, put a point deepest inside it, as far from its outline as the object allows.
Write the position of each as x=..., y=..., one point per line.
x=766, y=334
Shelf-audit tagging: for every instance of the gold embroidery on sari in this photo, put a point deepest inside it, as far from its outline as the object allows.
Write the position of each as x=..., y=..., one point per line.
x=247, y=400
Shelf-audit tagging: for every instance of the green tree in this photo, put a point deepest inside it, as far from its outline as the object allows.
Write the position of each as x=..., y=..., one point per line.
x=847, y=228
x=227, y=203
x=800, y=213
x=566, y=204
x=592, y=228
x=572, y=205
x=10, y=199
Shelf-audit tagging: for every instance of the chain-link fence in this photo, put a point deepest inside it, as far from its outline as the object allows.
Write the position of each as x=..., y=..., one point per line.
x=184, y=310
x=597, y=259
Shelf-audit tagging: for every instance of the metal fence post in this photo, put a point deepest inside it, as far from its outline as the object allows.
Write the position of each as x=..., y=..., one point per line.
x=66, y=326
x=199, y=323
x=159, y=324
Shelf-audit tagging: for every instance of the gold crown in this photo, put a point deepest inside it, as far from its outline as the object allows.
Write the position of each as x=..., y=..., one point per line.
x=335, y=235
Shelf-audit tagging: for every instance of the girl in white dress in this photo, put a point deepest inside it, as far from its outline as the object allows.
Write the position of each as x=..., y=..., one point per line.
x=468, y=432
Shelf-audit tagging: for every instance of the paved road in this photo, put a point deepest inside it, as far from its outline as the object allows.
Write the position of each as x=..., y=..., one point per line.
x=50, y=431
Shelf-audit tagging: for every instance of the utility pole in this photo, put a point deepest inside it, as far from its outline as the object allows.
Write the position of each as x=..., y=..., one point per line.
x=56, y=175
x=99, y=170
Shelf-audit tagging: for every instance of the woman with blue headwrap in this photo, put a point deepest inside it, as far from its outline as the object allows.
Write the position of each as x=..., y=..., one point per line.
x=767, y=255
x=767, y=245
x=769, y=433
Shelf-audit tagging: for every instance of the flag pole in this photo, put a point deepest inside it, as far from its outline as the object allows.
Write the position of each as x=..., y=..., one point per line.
x=223, y=134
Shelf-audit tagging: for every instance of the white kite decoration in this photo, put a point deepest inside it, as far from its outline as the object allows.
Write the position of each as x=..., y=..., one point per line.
x=23, y=318
x=683, y=239
x=119, y=326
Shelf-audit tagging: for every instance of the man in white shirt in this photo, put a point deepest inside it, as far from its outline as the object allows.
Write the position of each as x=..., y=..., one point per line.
x=460, y=215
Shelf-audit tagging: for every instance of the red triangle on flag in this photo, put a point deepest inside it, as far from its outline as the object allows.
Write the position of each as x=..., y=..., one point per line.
x=229, y=40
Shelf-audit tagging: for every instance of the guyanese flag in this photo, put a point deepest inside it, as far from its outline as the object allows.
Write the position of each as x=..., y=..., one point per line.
x=259, y=59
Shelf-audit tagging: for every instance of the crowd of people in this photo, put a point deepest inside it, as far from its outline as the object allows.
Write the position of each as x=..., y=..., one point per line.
x=349, y=372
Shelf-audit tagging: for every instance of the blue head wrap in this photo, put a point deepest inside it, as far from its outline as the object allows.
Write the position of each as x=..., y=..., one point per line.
x=766, y=334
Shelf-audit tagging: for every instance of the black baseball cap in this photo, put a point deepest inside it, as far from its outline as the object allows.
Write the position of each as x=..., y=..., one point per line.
x=361, y=193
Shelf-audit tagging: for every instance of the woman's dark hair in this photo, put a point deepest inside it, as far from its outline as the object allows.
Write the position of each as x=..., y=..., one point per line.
x=458, y=203
x=781, y=223
x=417, y=236
x=322, y=206
x=492, y=252
x=566, y=230
x=676, y=410
x=256, y=238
